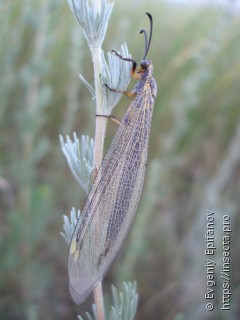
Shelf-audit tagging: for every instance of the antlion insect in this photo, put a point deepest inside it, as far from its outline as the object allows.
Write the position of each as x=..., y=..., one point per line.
x=114, y=197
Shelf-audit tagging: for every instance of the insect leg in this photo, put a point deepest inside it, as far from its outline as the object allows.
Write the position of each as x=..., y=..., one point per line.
x=114, y=119
x=125, y=59
x=130, y=94
x=134, y=74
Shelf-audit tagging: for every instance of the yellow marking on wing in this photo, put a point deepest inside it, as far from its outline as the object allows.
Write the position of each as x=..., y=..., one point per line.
x=73, y=247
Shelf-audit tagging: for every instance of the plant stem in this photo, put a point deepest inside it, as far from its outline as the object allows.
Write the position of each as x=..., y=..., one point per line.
x=100, y=121
x=98, y=152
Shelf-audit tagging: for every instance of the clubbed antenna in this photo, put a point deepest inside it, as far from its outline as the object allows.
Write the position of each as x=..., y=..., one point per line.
x=147, y=42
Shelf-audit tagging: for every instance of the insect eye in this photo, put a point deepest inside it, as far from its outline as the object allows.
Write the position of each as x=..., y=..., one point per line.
x=144, y=64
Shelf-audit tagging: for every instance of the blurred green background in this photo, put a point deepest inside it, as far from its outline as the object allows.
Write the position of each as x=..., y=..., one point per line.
x=194, y=155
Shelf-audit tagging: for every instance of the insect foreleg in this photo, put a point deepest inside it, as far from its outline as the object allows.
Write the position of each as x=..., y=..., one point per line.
x=134, y=74
x=125, y=59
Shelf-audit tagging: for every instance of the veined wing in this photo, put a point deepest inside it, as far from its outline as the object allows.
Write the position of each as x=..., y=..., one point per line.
x=113, y=199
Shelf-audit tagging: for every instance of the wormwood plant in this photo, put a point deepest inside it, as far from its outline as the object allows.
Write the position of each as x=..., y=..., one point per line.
x=86, y=155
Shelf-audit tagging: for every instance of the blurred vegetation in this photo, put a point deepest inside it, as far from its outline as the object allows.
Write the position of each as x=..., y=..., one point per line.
x=194, y=162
